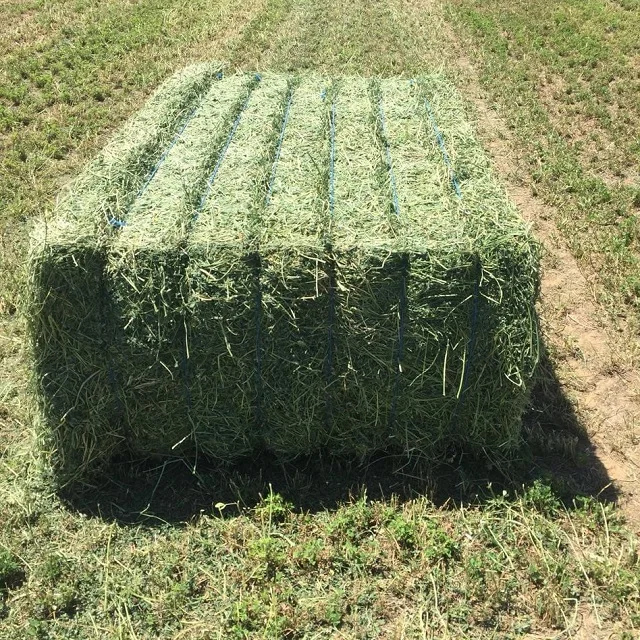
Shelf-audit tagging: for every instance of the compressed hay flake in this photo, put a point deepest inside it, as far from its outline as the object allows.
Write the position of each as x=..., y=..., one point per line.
x=291, y=263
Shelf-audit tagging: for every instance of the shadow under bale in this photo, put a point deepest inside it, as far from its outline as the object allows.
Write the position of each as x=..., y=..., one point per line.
x=153, y=491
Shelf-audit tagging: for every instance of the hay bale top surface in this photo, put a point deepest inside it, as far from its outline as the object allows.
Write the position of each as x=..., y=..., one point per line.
x=296, y=160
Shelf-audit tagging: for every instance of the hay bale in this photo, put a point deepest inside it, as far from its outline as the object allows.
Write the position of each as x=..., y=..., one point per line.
x=308, y=264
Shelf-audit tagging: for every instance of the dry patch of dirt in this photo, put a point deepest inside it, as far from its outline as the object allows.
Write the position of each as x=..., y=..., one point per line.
x=19, y=31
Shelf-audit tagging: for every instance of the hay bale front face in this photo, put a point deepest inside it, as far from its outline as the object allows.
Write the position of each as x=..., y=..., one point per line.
x=288, y=263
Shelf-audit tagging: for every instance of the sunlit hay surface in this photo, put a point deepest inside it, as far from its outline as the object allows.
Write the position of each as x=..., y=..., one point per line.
x=292, y=263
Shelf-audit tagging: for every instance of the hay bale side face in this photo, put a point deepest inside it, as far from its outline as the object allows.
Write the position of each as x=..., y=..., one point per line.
x=148, y=292
x=368, y=282
x=506, y=348
x=294, y=287
x=78, y=410
x=221, y=356
x=435, y=330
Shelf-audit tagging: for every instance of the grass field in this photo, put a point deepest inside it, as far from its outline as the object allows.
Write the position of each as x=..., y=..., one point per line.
x=568, y=82
x=335, y=548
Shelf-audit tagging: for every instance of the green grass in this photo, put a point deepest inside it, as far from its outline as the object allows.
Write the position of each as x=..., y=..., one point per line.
x=369, y=568
x=567, y=80
x=160, y=551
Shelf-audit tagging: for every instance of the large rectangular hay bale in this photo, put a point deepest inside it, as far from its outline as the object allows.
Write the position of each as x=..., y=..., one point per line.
x=284, y=262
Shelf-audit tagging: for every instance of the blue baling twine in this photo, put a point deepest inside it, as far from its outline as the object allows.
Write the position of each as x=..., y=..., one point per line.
x=402, y=321
x=258, y=319
x=225, y=148
x=332, y=162
x=328, y=363
x=118, y=224
x=330, y=343
x=285, y=120
x=111, y=370
x=259, y=388
x=332, y=277
x=443, y=149
x=164, y=155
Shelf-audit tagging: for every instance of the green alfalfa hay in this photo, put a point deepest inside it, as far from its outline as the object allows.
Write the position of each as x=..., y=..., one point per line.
x=366, y=263
x=108, y=186
x=432, y=370
x=148, y=265
x=222, y=328
x=507, y=265
x=482, y=282
x=68, y=316
x=378, y=254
